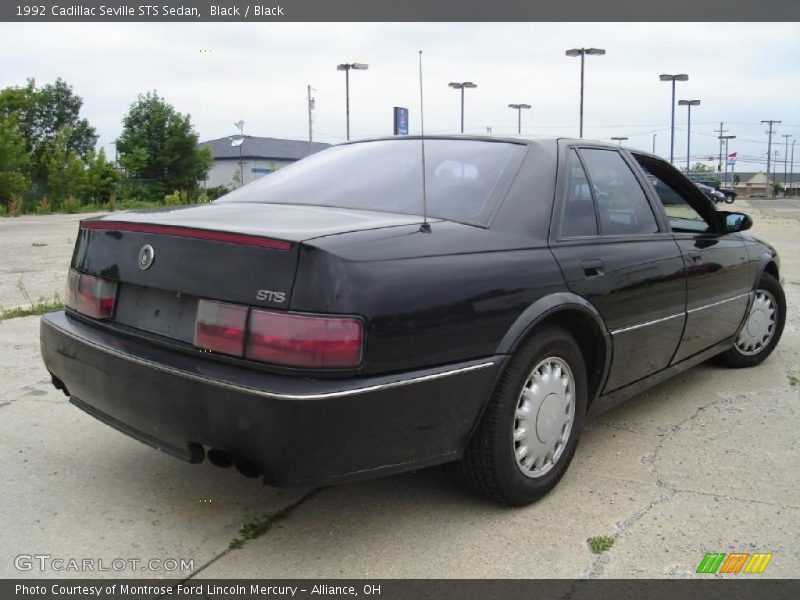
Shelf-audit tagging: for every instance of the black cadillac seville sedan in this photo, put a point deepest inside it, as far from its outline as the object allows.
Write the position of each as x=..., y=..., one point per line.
x=345, y=318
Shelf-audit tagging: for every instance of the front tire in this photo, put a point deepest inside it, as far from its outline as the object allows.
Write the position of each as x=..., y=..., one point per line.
x=763, y=328
x=530, y=429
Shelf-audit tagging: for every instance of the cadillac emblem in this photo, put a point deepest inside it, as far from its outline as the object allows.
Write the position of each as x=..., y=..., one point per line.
x=146, y=257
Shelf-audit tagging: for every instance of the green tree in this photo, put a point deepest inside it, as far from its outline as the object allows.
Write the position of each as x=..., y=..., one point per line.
x=699, y=167
x=159, y=145
x=66, y=174
x=13, y=160
x=43, y=113
x=100, y=179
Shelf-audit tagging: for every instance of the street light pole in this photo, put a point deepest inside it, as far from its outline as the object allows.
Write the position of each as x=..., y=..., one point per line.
x=310, y=122
x=775, y=168
x=726, y=138
x=519, y=108
x=654, y=143
x=346, y=67
x=582, y=52
x=462, y=86
x=673, y=79
x=689, y=104
x=240, y=142
x=791, y=180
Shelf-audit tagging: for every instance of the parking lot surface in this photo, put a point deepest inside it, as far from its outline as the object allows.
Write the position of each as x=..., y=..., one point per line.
x=707, y=462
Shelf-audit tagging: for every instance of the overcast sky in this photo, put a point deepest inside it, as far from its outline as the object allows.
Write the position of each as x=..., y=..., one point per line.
x=220, y=73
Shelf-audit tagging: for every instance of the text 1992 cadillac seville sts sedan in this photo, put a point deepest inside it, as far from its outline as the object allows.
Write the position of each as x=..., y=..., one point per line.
x=314, y=327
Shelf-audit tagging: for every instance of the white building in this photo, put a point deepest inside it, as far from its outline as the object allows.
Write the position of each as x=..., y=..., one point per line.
x=253, y=158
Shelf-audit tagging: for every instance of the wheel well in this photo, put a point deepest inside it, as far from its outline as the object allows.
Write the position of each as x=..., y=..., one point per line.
x=590, y=340
x=772, y=269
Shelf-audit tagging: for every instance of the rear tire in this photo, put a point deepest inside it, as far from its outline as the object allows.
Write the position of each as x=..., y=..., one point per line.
x=530, y=429
x=762, y=330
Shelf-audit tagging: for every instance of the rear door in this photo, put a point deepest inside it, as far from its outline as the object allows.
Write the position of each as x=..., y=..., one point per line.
x=719, y=274
x=616, y=251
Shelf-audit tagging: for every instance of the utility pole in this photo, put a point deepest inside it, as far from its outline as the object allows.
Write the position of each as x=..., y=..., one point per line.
x=791, y=181
x=786, y=137
x=310, y=127
x=654, y=143
x=720, y=132
x=769, y=122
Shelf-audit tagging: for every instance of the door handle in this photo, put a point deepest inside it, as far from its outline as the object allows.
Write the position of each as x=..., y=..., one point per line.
x=592, y=268
x=694, y=255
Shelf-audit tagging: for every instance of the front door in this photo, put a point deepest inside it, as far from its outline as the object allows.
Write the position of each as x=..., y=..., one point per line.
x=719, y=274
x=615, y=252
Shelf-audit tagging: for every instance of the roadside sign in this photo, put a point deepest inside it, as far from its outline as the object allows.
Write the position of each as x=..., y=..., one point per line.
x=400, y=120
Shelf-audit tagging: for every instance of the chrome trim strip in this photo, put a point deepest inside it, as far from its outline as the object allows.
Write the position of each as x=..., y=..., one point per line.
x=278, y=395
x=646, y=324
x=691, y=310
x=713, y=304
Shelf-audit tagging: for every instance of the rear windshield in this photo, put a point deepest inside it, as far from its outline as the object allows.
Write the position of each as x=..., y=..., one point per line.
x=463, y=177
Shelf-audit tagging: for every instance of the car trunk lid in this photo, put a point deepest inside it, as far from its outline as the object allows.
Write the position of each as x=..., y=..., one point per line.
x=165, y=260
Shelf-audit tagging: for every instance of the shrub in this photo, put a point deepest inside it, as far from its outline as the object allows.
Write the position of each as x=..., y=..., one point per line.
x=3, y=210
x=215, y=192
x=135, y=204
x=71, y=205
x=43, y=206
x=203, y=198
x=14, y=205
x=173, y=199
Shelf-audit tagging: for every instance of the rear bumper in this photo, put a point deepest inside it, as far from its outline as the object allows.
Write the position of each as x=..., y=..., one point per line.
x=297, y=431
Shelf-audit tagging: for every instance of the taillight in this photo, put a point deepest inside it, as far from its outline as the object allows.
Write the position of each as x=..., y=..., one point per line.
x=72, y=289
x=304, y=341
x=91, y=296
x=220, y=327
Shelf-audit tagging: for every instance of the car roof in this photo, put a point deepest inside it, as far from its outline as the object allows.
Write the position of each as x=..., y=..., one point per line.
x=526, y=141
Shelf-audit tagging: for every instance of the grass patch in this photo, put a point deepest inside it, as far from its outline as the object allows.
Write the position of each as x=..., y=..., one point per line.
x=44, y=305
x=257, y=527
x=794, y=379
x=600, y=543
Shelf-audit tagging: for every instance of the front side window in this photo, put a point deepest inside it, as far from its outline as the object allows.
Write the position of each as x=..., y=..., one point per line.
x=681, y=215
x=622, y=206
x=386, y=175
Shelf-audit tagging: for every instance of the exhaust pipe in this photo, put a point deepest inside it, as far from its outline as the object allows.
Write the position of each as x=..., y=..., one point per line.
x=247, y=468
x=225, y=460
x=220, y=459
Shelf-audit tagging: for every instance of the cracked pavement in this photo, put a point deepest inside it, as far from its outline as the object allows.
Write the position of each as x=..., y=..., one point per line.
x=708, y=461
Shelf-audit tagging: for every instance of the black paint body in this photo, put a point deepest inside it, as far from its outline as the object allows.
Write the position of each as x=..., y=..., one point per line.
x=454, y=299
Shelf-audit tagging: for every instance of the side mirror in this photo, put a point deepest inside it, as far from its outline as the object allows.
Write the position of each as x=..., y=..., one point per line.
x=736, y=221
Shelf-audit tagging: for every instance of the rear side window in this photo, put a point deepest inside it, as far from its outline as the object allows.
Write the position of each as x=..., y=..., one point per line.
x=579, y=219
x=622, y=207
